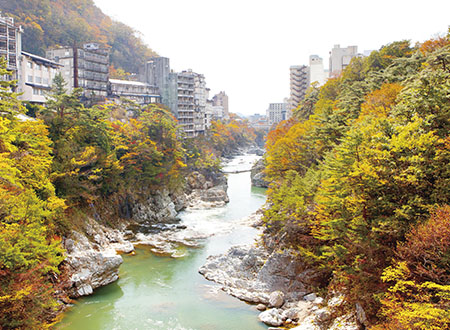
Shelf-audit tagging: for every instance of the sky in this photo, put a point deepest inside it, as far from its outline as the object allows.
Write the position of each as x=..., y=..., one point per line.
x=245, y=47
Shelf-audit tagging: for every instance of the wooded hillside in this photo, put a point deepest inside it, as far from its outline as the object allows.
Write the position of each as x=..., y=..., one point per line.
x=48, y=23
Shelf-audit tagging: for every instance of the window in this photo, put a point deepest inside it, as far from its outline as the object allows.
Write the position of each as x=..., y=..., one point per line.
x=42, y=92
x=29, y=65
x=35, y=91
x=38, y=80
x=30, y=79
x=45, y=81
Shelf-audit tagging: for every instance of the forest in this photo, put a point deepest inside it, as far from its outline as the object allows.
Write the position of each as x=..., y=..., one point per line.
x=57, y=166
x=49, y=23
x=360, y=186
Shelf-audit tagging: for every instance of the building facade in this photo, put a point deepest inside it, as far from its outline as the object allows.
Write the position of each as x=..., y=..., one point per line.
x=276, y=113
x=10, y=46
x=36, y=77
x=299, y=83
x=141, y=93
x=201, y=94
x=185, y=109
x=221, y=99
x=86, y=67
x=316, y=70
x=340, y=58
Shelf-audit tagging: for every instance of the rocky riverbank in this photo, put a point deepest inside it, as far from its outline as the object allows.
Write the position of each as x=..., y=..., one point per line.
x=93, y=253
x=277, y=283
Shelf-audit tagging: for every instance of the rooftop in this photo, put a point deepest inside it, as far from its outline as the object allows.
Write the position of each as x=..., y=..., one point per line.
x=41, y=59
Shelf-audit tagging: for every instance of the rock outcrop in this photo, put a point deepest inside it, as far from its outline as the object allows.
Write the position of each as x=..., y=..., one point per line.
x=158, y=207
x=279, y=283
x=92, y=257
x=207, y=193
x=89, y=265
x=258, y=176
x=252, y=273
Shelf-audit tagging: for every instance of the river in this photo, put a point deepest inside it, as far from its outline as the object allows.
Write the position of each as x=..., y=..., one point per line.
x=159, y=292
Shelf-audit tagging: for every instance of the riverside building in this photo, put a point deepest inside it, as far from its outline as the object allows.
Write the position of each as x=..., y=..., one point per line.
x=141, y=93
x=86, y=67
x=37, y=74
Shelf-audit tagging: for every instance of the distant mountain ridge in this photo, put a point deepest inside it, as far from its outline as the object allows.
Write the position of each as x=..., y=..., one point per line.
x=50, y=23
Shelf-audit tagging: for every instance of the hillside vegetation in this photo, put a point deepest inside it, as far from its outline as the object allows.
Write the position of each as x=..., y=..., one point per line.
x=361, y=183
x=50, y=23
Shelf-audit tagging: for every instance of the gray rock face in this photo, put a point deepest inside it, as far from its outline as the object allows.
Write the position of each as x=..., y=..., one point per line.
x=91, y=267
x=252, y=274
x=158, y=208
x=215, y=194
x=209, y=193
x=257, y=175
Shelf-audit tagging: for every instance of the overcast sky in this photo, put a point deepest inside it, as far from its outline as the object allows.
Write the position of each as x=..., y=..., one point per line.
x=245, y=47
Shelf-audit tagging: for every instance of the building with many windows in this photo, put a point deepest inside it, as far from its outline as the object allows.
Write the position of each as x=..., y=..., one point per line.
x=37, y=74
x=221, y=99
x=200, y=99
x=185, y=107
x=276, y=113
x=299, y=83
x=86, y=67
x=10, y=45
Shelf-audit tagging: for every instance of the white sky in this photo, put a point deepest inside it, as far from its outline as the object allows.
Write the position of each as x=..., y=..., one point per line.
x=246, y=47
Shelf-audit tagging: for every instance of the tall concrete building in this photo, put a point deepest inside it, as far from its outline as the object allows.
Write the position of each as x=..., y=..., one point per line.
x=185, y=101
x=340, y=58
x=86, y=67
x=299, y=83
x=221, y=99
x=276, y=113
x=157, y=73
x=316, y=70
x=201, y=94
x=10, y=46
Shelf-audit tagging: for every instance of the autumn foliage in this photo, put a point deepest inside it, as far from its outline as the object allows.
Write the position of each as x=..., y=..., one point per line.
x=355, y=175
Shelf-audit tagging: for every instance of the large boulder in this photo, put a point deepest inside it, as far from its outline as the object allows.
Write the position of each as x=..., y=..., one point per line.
x=271, y=317
x=276, y=299
x=215, y=194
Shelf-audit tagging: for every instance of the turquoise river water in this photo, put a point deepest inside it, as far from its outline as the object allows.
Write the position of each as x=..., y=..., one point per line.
x=156, y=292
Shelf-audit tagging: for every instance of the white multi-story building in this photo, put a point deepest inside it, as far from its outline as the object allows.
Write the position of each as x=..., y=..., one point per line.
x=200, y=99
x=36, y=77
x=276, y=113
x=316, y=70
x=340, y=58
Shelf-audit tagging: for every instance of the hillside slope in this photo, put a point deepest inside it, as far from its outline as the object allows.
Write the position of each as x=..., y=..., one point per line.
x=63, y=22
